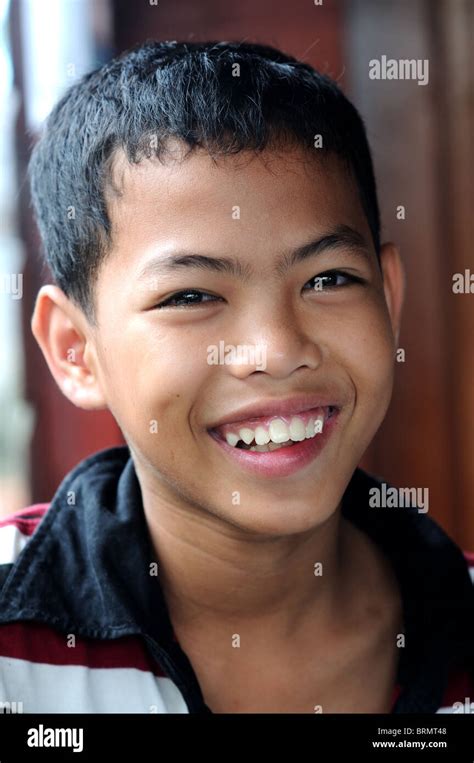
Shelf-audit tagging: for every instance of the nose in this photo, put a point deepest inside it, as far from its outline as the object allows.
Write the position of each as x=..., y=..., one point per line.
x=276, y=343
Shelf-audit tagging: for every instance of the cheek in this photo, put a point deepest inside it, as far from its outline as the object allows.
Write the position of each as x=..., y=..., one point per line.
x=154, y=376
x=367, y=345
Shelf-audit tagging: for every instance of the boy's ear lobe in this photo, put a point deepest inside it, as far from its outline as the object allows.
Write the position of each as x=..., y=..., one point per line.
x=393, y=283
x=64, y=336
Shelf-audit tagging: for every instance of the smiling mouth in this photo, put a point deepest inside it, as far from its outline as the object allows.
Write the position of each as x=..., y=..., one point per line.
x=276, y=432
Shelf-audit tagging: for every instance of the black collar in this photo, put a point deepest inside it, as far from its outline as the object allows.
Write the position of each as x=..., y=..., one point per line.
x=86, y=570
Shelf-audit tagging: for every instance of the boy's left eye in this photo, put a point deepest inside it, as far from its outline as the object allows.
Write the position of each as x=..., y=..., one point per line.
x=329, y=280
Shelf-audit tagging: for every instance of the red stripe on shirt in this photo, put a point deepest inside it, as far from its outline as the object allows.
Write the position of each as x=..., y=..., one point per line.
x=26, y=520
x=37, y=642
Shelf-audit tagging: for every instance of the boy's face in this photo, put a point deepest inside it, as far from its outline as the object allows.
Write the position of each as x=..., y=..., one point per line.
x=151, y=366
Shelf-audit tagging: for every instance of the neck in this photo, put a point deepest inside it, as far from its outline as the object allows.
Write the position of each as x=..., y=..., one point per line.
x=214, y=571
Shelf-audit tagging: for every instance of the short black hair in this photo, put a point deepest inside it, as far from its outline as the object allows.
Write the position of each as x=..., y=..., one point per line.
x=226, y=97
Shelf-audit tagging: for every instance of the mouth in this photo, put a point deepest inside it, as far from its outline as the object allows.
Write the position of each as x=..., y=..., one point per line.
x=266, y=434
x=277, y=445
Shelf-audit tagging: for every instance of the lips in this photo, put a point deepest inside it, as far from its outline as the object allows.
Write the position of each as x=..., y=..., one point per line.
x=288, y=459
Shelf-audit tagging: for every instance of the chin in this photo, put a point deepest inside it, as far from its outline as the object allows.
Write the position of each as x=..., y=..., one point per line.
x=279, y=521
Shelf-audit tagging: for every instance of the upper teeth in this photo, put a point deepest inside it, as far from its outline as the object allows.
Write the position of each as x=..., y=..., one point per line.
x=278, y=431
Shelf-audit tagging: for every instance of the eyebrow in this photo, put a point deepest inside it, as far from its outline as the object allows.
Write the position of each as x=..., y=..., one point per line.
x=341, y=237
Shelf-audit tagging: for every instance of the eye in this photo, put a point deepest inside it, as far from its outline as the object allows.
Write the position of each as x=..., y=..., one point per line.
x=331, y=279
x=186, y=298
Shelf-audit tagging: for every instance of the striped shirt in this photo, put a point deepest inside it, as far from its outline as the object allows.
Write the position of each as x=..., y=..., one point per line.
x=84, y=626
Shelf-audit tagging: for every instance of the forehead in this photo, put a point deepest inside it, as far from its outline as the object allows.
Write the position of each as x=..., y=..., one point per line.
x=240, y=202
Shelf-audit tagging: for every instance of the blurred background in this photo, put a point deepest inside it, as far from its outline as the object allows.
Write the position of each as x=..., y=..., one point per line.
x=421, y=137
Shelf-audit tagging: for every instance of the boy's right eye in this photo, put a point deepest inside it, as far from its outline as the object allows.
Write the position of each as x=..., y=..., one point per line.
x=194, y=296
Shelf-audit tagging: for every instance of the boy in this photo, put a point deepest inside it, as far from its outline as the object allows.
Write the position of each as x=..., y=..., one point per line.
x=222, y=289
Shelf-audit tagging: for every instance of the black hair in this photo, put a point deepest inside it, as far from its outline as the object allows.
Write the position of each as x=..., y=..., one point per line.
x=226, y=97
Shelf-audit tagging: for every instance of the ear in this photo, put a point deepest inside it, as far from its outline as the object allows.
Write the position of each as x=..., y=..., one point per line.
x=393, y=284
x=66, y=340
